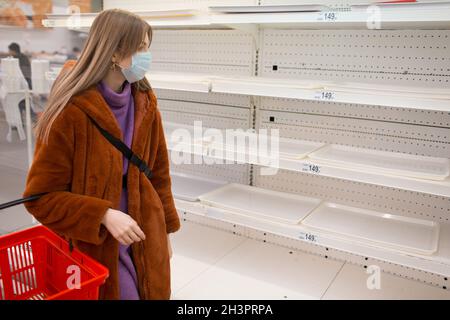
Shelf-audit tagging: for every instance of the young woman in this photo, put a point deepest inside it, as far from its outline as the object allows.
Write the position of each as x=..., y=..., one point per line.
x=125, y=225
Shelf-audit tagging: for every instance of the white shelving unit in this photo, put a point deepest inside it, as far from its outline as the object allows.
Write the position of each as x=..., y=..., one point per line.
x=313, y=90
x=401, y=16
x=334, y=92
x=437, y=263
x=410, y=97
x=335, y=233
x=348, y=171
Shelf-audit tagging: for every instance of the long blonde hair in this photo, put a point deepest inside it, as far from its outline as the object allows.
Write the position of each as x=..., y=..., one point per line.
x=113, y=31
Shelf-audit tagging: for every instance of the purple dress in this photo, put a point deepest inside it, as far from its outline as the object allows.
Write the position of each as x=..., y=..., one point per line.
x=122, y=105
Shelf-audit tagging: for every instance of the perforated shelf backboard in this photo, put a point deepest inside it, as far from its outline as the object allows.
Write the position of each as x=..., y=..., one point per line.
x=400, y=57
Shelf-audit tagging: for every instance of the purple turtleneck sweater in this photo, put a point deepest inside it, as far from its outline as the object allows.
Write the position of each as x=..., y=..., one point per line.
x=122, y=106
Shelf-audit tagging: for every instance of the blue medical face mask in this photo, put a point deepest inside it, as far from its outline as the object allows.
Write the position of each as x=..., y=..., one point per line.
x=140, y=65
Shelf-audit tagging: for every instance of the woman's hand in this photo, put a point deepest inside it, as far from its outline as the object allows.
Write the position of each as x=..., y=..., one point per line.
x=122, y=227
x=170, y=246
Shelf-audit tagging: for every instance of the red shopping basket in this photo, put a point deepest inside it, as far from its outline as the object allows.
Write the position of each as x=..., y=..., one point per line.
x=36, y=264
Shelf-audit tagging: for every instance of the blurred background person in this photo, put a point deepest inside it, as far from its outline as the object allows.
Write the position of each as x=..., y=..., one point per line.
x=75, y=55
x=24, y=61
x=25, y=67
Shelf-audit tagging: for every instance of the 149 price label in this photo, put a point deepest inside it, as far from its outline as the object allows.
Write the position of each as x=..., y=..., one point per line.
x=308, y=237
x=311, y=168
x=328, y=16
x=325, y=95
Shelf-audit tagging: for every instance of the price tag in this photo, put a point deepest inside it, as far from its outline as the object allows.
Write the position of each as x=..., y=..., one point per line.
x=328, y=16
x=311, y=168
x=308, y=237
x=325, y=95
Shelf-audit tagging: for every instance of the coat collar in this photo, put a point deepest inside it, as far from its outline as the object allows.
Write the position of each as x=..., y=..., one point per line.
x=94, y=105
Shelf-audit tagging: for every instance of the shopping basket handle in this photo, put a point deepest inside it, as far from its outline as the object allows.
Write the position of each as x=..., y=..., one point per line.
x=19, y=201
x=30, y=198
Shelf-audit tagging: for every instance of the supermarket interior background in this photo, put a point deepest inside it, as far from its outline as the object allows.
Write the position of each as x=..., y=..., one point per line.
x=358, y=91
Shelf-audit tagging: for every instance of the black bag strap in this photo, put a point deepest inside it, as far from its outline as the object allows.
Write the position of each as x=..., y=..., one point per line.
x=127, y=152
x=117, y=143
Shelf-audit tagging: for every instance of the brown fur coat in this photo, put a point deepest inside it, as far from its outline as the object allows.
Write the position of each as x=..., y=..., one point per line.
x=83, y=173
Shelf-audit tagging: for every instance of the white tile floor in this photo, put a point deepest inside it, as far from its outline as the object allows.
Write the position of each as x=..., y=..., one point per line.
x=213, y=264
x=351, y=284
x=13, y=169
x=12, y=183
x=197, y=251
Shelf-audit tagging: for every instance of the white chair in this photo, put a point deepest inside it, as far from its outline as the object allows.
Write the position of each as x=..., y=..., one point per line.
x=13, y=116
x=10, y=102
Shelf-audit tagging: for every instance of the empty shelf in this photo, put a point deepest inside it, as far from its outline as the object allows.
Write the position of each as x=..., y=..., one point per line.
x=391, y=231
x=402, y=97
x=438, y=263
x=366, y=94
x=389, y=162
x=180, y=81
x=189, y=188
x=404, y=91
x=261, y=203
x=269, y=87
x=380, y=170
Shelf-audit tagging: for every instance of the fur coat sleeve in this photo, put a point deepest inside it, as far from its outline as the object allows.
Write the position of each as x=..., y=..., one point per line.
x=76, y=216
